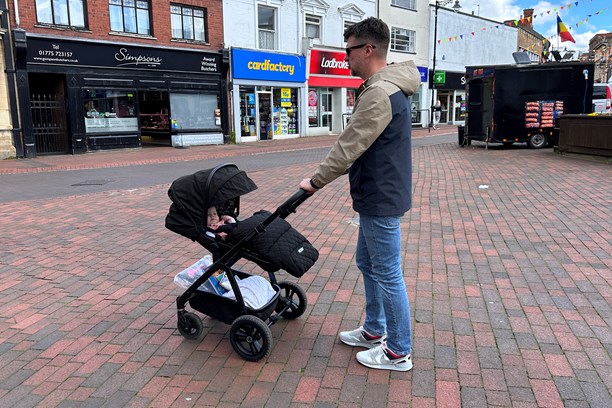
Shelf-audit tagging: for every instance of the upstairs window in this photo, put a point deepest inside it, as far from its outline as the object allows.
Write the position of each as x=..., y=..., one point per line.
x=188, y=23
x=402, y=40
x=313, y=26
x=407, y=4
x=266, y=26
x=130, y=16
x=69, y=13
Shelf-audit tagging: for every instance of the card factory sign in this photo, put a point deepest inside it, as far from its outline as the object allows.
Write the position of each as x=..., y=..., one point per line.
x=43, y=51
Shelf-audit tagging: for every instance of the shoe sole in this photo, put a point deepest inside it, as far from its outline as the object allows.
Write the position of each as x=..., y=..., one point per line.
x=392, y=367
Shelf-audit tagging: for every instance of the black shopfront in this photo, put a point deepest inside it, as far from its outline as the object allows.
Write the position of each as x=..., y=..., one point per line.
x=78, y=96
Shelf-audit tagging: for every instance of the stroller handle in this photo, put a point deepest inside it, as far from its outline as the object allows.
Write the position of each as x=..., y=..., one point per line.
x=293, y=202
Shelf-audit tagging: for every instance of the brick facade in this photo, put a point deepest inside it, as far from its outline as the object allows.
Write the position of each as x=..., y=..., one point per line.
x=97, y=21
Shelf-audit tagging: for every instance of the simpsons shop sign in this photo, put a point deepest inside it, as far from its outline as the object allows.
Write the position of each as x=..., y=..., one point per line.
x=268, y=66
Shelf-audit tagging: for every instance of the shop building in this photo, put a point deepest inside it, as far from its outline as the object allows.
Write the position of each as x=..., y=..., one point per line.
x=331, y=91
x=102, y=74
x=290, y=31
x=78, y=96
x=463, y=39
x=268, y=95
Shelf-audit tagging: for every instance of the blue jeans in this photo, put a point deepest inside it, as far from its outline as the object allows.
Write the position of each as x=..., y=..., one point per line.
x=379, y=260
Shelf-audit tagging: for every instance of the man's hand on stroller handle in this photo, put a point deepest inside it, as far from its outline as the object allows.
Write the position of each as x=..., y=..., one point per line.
x=307, y=186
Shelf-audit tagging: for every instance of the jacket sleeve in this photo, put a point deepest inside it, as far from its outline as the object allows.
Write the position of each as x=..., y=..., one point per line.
x=371, y=116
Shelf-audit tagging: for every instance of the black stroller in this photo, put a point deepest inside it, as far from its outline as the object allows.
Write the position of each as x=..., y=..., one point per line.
x=265, y=238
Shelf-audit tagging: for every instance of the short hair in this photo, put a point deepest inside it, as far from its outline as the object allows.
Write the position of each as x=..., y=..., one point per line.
x=374, y=31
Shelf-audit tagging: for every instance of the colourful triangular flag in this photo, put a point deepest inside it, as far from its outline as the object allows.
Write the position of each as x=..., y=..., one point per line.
x=563, y=32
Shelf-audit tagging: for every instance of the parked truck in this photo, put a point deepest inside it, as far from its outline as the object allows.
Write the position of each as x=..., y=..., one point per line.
x=522, y=103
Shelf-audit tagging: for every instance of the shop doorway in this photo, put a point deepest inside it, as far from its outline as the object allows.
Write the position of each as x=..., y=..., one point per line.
x=265, y=118
x=326, y=99
x=154, y=117
x=48, y=106
x=446, y=101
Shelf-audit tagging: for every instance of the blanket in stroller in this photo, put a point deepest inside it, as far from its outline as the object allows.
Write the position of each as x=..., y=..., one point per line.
x=280, y=244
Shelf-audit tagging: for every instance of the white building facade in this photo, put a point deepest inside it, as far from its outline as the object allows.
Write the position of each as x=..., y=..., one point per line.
x=462, y=40
x=288, y=75
x=409, y=25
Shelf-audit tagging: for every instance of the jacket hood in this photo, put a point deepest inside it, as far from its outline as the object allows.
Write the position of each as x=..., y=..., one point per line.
x=404, y=75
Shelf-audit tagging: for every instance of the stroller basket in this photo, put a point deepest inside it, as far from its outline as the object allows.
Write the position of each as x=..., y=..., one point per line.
x=227, y=310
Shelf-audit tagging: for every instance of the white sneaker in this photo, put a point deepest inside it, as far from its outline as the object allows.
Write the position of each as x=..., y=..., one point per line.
x=360, y=338
x=379, y=357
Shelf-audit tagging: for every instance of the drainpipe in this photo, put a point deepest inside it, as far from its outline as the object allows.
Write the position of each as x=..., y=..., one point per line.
x=15, y=11
x=9, y=58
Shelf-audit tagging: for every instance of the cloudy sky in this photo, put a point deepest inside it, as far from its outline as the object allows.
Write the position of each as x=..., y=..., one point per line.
x=545, y=21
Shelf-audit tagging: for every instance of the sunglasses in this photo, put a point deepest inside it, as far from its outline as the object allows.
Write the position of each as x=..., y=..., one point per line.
x=356, y=47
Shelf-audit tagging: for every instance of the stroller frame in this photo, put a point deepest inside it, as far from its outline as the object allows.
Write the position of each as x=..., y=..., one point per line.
x=250, y=333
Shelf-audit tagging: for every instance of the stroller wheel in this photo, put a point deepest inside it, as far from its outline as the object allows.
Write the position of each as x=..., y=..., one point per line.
x=292, y=301
x=251, y=338
x=189, y=325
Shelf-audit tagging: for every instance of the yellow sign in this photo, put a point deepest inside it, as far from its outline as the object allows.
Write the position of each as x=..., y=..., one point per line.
x=285, y=95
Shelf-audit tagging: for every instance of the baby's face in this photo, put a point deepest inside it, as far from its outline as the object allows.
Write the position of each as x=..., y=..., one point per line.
x=213, y=217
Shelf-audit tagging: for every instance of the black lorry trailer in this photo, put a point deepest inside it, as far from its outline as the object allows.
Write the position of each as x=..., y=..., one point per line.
x=522, y=103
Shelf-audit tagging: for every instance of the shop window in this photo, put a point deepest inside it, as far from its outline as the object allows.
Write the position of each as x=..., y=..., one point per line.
x=70, y=13
x=313, y=26
x=189, y=23
x=266, y=26
x=402, y=40
x=109, y=111
x=285, y=111
x=130, y=16
x=320, y=103
x=407, y=4
x=193, y=111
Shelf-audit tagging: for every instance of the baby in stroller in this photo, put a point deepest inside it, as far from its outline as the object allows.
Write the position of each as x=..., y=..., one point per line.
x=219, y=225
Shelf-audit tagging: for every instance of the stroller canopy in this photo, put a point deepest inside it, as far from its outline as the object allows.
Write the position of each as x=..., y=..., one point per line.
x=193, y=194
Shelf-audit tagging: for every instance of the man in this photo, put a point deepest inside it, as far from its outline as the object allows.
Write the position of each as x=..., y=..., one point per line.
x=375, y=149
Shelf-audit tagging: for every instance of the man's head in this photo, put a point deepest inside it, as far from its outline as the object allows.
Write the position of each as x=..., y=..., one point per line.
x=366, y=46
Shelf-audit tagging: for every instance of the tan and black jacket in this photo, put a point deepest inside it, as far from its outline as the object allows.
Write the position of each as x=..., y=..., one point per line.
x=375, y=147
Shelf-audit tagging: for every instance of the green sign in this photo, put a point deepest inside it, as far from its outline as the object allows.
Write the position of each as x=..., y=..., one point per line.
x=440, y=77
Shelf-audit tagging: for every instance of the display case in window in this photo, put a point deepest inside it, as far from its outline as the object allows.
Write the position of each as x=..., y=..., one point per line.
x=109, y=111
x=247, y=114
x=154, y=122
x=286, y=111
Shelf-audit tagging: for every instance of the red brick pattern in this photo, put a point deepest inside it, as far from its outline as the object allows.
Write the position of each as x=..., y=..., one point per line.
x=509, y=288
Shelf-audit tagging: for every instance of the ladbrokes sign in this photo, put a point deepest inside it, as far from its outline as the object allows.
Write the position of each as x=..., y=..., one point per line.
x=328, y=63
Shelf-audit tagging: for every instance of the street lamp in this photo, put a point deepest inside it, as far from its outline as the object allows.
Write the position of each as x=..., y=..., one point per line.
x=456, y=7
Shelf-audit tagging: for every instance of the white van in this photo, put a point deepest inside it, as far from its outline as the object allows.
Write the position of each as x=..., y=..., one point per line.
x=601, y=98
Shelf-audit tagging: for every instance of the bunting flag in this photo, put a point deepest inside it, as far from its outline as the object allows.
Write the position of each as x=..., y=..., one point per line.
x=563, y=32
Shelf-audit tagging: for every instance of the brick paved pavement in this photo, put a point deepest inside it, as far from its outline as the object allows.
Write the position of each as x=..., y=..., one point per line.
x=510, y=288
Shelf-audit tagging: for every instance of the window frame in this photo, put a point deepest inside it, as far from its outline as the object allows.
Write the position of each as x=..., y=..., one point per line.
x=274, y=31
x=407, y=7
x=204, y=10
x=53, y=23
x=319, y=24
x=135, y=8
x=393, y=40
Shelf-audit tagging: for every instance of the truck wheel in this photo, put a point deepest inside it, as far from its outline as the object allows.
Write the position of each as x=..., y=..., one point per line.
x=537, y=141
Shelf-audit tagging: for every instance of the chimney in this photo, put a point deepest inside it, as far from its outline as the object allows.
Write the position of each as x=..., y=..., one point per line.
x=528, y=15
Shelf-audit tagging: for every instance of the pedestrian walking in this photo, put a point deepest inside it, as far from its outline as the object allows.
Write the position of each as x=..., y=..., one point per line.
x=375, y=149
x=437, y=113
